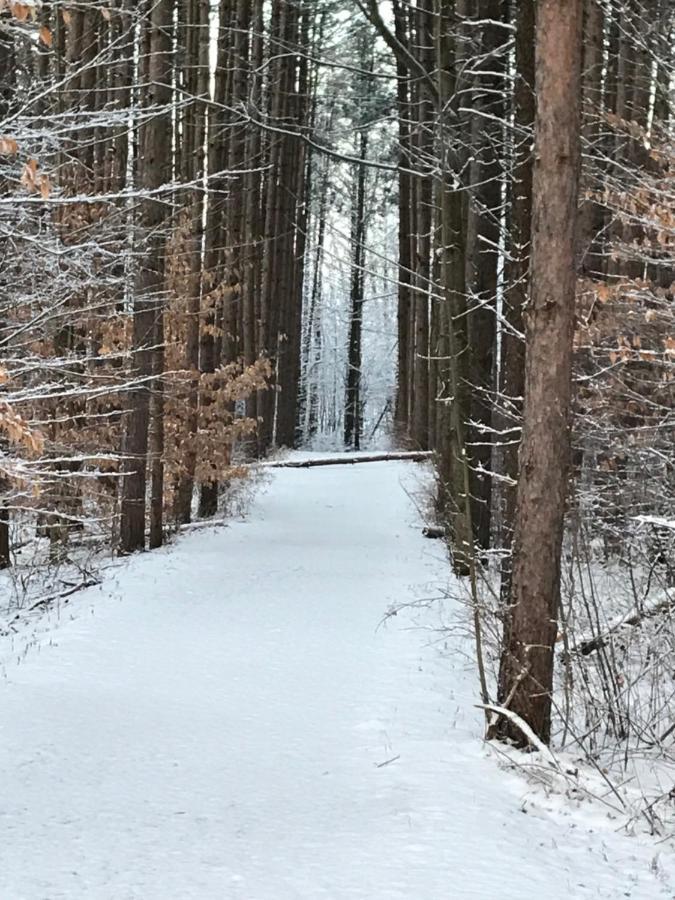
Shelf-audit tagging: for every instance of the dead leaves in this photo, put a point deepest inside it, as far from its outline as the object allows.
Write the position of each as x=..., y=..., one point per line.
x=17, y=431
x=14, y=427
x=34, y=180
x=22, y=11
x=8, y=146
x=26, y=13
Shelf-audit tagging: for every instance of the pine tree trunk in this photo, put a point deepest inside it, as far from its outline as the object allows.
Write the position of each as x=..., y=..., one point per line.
x=274, y=224
x=402, y=413
x=148, y=299
x=516, y=275
x=424, y=152
x=211, y=317
x=253, y=345
x=289, y=243
x=486, y=174
x=454, y=373
x=527, y=671
x=591, y=214
x=192, y=163
x=353, y=402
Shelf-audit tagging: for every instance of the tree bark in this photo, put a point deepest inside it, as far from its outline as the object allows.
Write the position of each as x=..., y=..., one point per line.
x=516, y=275
x=527, y=671
x=402, y=412
x=211, y=317
x=192, y=163
x=353, y=401
x=148, y=300
x=353, y=398
x=424, y=151
x=483, y=256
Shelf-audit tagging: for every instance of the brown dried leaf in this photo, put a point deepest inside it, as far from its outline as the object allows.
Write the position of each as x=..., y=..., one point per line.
x=8, y=146
x=46, y=36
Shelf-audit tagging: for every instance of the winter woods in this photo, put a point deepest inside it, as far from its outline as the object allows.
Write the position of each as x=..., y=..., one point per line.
x=234, y=226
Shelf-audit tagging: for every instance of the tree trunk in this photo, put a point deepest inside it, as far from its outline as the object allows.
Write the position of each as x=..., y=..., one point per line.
x=353, y=400
x=148, y=300
x=527, y=672
x=252, y=343
x=273, y=222
x=402, y=413
x=211, y=302
x=484, y=229
x=423, y=147
x=192, y=161
x=453, y=414
x=516, y=275
x=591, y=214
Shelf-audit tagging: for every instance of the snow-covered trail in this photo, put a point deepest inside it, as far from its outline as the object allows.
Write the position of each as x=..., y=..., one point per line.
x=214, y=721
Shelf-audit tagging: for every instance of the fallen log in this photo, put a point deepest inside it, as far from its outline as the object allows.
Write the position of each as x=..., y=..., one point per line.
x=204, y=523
x=589, y=645
x=413, y=456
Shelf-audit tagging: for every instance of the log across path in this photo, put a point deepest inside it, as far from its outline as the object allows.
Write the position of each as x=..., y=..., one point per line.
x=347, y=459
x=228, y=719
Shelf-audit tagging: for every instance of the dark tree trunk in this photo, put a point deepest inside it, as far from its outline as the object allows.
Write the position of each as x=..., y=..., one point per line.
x=295, y=179
x=454, y=376
x=591, y=214
x=483, y=228
x=148, y=301
x=423, y=147
x=404, y=226
x=211, y=302
x=273, y=221
x=353, y=399
x=516, y=275
x=192, y=160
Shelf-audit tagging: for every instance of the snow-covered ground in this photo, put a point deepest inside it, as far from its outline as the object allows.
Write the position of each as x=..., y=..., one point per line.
x=228, y=719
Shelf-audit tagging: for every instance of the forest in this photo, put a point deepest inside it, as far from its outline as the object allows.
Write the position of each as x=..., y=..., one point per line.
x=249, y=241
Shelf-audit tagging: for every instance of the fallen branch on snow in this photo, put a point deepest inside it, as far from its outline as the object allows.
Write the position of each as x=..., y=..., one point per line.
x=434, y=532
x=46, y=602
x=527, y=732
x=205, y=523
x=52, y=598
x=586, y=646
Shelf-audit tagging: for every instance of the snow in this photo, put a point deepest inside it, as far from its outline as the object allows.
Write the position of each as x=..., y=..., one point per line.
x=231, y=717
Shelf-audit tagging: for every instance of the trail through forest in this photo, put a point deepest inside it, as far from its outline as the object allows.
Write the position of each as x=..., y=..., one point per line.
x=228, y=718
